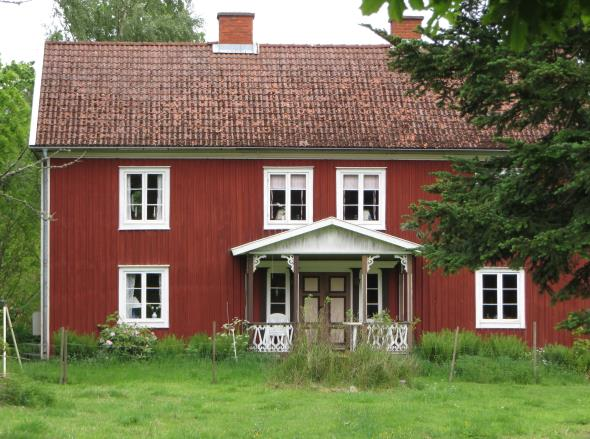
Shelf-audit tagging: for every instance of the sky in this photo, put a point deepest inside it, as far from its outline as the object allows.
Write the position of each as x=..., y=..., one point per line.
x=23, y=27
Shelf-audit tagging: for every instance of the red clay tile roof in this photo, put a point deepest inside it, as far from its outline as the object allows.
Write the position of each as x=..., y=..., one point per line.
x=183, y=95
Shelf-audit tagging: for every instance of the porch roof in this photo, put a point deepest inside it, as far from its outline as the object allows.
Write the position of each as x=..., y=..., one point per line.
x=329, y=236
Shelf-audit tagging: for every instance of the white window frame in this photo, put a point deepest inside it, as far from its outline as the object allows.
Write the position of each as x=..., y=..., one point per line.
x=361, y=172
x=500, y=323
x=288, y=224
x=287, y=292
x=163, y=321
x=379, y=294
x=125, y=223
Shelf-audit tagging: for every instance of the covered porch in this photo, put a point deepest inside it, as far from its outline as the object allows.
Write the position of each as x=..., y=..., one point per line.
x=350, y=275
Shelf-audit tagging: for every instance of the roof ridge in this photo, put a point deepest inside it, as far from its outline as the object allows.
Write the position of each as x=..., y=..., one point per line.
x=199, y=44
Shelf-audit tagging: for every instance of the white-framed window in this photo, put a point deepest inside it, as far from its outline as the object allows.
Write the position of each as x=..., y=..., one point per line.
x=144, y=198
x=499, y=298
x=374, y=294
x=288, y=197
x=278, y=294
x=143, y=295
x=360, y=196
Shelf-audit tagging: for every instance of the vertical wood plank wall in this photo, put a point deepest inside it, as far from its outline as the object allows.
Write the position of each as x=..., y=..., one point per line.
x=215, y=205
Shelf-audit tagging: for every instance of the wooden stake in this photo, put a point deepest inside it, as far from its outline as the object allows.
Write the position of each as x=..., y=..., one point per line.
x=20, y=363
x=213, y=354
x=4, y=341
x=454, y=355
x=535, y=372
x=63, y=356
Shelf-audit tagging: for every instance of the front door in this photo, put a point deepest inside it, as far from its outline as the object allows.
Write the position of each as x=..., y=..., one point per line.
x=326, y=293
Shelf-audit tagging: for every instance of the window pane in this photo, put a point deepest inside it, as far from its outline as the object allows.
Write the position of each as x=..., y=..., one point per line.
x=490, y=296
x=372, y=310
x=154, y=181
x=371, y=182
x=277, y=182
x=298, y=181
x=490, y=311
x=154, y=212
x=297, y=197
x=133, y=312
x=277, y=280
x=298, y=213
x=337, y=284
x=371, y=213
x=153, y=311
x=351, y=197
x=134, y=181
x=350, y=182
x=351, y=212
x=510, y=311
x=135, y=197
x=278, y=308
x=509, y=296
x=277, y=295
x=372, y=296
x=370, y=197
x=278, y=197
x=153, y=280
x=152, y=295
x=277, y=213
x=311, y=284
x=154, y=196
x=490, y=281
x=509, y=280
x=372, y=281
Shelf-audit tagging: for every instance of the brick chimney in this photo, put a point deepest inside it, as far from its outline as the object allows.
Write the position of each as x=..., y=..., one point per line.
x=236, y=27
x=407, y=27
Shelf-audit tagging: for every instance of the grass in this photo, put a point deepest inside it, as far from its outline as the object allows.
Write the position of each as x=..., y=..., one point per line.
x=175, y=399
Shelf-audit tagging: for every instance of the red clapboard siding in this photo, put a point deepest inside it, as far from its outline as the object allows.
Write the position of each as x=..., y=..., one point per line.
x=216, y=205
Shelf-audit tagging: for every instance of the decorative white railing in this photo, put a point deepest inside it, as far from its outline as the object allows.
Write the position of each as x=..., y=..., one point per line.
x=271, y=337
x=389, y=337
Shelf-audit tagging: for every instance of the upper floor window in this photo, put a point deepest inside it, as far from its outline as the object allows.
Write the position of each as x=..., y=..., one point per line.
x=288, y=197
x=361, y=196
x=144, y=198
x=143, y=295
x=499, y=297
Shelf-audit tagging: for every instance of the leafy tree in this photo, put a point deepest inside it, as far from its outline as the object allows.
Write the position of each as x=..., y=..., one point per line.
x=126, y=20
x=530, y=206
x=19, y=193
x=522, y=21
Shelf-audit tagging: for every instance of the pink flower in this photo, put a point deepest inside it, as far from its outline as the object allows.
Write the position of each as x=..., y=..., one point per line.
x=109, y=343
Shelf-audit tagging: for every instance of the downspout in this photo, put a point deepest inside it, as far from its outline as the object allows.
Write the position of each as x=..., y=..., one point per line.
x=45, y=256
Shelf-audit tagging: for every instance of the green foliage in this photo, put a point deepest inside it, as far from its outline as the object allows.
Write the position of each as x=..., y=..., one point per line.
x=126, y=20
x=503, y=369
x=80, y=346
x=200, y=345
x=125, y=341
x=578, y=323
x=519, y=22
x=19, y=391
x=19, y=195
x=370, y=368
x=169, y=346
x=559, y=355
x=437, y=347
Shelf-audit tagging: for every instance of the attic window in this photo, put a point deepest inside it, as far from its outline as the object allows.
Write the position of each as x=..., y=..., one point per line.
x=246, y=49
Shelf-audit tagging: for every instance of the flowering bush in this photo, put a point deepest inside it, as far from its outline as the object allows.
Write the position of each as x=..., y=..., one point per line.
x=125, y=340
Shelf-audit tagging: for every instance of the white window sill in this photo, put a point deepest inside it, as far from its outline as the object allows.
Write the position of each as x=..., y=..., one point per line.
x=144, y=226
x=285, y=226
x=146, y=323
x=500, y=324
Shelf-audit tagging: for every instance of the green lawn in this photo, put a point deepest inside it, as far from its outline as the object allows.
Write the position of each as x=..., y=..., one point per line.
x=175, y=399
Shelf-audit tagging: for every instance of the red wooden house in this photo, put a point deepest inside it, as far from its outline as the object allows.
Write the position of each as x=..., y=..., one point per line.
x=195, y=182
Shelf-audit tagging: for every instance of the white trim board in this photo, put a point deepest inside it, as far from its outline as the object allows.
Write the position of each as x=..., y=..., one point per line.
x=257, y=246
x=36, y=98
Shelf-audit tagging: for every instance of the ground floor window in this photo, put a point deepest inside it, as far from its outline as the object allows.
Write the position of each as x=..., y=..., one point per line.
x=277, y=297
x=499, y=294
x=374, y=294
x=143, y=295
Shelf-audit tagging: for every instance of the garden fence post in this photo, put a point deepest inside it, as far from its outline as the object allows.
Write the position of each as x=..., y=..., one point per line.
x=63, y=357
x=3, y=340
x=535, y=371
x=20, y=363
x=454, y=355
x=213, y=353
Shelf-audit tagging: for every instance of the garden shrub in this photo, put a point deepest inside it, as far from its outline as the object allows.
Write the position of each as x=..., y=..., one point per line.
x=438, y=346
x=80, y=346
x=125, y=340
x=201, y=344
x=19, y=391
x=509, y=346
x=559, y=355
x=372, y=368
x=169, y=346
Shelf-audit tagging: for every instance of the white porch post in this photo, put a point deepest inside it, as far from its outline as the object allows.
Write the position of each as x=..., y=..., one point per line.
x=410, y=291
x=363, y=289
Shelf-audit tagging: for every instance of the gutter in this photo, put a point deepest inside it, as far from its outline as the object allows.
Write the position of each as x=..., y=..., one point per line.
x=45, y=336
